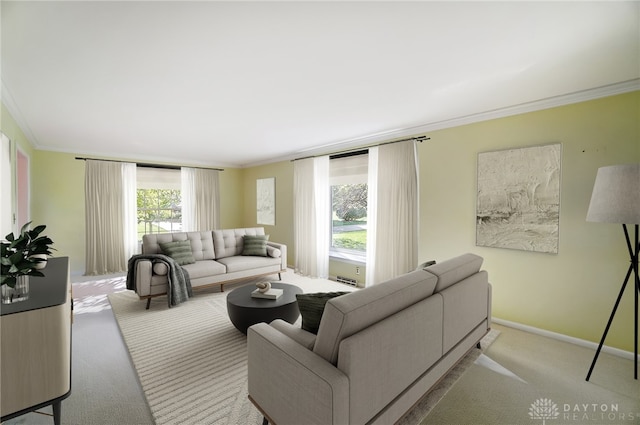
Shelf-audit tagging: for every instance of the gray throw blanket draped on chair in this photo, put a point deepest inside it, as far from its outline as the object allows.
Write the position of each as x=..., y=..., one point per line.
x=179, y=283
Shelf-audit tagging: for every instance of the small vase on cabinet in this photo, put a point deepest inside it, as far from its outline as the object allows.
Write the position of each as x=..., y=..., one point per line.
x=20, y=292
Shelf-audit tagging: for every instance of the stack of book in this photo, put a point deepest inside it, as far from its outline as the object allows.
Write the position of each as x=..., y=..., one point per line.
x=271, y=294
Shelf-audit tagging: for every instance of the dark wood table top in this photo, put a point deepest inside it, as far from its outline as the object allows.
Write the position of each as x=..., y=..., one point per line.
x=241, y=297
x=47, y=291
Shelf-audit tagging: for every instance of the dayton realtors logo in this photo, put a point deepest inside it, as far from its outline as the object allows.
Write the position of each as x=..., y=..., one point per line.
x=545, y=409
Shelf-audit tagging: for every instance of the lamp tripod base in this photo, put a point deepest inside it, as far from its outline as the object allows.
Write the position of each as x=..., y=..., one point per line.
x=633, y=270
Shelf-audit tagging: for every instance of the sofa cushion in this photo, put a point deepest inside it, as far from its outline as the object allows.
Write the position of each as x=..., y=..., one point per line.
x=455, y=269
x=385, y=359
x=240, y=263
x=201, y=243
x=205, y=268
x=346, y=315
x=255, y=245
x=466, y=304
x=229, y=242
x=180, y=251
x=311, y=307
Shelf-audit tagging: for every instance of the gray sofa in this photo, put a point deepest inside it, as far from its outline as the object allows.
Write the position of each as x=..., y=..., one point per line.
x=219, y=260
x=377, y=351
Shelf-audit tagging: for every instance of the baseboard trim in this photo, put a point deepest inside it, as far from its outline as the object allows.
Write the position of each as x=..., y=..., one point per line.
x=561, y=337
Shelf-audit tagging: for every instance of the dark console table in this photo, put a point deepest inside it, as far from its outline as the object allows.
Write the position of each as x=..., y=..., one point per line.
x=245, y=311
x=36, y=345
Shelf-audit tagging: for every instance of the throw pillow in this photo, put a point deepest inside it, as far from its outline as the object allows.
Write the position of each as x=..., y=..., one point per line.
x=311, y=307
x=273, y=252
x=180, y=251
x=426, y=264
x=255, y=245
x=160, y=269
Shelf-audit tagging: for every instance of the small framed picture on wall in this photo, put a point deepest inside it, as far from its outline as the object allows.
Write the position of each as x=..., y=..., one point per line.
x=266, y=201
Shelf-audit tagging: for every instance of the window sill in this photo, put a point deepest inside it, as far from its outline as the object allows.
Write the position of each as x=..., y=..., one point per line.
x=348, y=257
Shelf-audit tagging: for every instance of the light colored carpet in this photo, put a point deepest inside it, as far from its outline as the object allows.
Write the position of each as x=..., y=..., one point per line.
x=104, y=386
x=520, y=369
x=191, y=361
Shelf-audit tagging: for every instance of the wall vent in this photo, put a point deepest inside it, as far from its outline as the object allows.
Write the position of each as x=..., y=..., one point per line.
x=346, y=280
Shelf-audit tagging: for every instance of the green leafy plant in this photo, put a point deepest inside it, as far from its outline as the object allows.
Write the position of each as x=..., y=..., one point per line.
x=21, y=255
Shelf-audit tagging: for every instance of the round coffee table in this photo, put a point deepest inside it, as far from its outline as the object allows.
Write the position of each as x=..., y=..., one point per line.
x=245, y=310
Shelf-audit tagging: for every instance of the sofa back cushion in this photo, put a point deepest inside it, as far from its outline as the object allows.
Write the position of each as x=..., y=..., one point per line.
x=229, y=242
x=383, y=360
x=465, y=306
x=201, y=243
x=348, y=314
x=455, y=269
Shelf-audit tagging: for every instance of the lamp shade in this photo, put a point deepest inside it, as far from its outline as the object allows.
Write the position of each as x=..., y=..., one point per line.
x=616, y=195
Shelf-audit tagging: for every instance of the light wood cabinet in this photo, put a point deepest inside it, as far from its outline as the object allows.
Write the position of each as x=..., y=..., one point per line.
x=35, y=345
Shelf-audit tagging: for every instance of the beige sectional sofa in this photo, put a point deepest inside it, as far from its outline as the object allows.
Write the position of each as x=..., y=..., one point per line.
x=377, y=351
x=218, y=258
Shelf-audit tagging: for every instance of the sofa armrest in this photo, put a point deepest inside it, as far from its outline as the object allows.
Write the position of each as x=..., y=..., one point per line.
x=295, y=332
x=283, y=253
x=291, y=384
x=143, y=273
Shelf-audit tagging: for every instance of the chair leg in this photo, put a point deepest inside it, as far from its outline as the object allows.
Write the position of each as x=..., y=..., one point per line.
x=279, y=276
x=265, y=421
x=148, y=303
x=479, y=346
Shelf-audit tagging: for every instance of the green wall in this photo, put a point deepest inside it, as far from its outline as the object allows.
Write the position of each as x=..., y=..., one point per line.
x=571, y=293
x=283, y=230
x=58, y=182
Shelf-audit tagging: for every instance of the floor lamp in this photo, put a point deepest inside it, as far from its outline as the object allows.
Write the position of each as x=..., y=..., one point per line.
x=616, y=199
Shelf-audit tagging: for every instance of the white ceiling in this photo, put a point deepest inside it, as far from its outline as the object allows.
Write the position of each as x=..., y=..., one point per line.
x=244, y=83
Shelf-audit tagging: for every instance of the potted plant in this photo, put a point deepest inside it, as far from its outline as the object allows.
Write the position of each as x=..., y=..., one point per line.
x=21, y=256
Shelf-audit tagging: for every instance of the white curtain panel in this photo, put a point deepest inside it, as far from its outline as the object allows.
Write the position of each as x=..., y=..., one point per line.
x=109, y=216
x=311, y=200
x=187, y=193
x=200, y=199
x=372, y=215
x=396, y=215
x=130, y=208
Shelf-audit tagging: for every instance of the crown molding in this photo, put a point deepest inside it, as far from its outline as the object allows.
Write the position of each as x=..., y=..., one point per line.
x=14, y=110
x=523, y=108
x=538, y=105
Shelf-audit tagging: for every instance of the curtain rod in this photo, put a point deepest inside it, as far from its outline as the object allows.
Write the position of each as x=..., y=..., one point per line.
x=417, y=139
x=148, y=165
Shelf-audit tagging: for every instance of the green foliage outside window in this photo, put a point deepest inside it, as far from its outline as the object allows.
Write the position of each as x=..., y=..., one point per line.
x=159, y=211
x=349, y=207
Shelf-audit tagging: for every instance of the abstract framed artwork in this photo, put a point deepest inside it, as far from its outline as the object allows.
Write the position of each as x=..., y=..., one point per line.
x=266, y=201
x=518, y=201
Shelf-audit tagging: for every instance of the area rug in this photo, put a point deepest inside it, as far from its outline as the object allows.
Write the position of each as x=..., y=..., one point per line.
x=191, y=361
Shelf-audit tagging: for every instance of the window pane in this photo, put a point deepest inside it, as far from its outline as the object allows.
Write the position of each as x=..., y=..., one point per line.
x=159, y=211
x=349, y=217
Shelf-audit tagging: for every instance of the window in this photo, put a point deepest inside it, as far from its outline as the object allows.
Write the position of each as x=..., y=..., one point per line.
x=348, y=180
x=159, y=201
